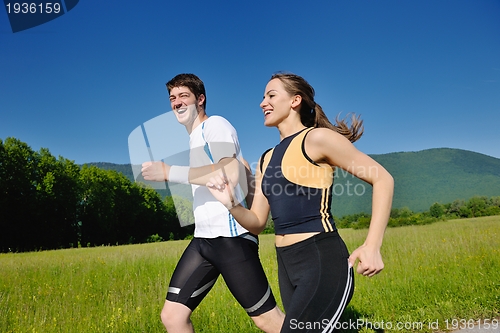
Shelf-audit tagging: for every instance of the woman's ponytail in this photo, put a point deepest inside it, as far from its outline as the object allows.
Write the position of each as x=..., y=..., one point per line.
x=311, y=113
x=351, y=128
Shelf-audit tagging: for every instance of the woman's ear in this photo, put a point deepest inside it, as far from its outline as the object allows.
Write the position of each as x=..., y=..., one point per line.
x=296, y=100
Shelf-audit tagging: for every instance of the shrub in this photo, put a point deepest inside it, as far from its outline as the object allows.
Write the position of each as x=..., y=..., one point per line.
x=154, y=238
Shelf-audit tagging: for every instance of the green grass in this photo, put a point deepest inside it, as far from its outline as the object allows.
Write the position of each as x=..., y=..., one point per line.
x=438, y=272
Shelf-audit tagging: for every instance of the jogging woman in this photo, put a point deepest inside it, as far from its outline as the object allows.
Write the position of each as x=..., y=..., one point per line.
x=294, y=182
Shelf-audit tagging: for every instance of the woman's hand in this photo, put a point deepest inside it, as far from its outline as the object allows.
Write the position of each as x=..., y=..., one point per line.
x=222, y=188
x=370, y=260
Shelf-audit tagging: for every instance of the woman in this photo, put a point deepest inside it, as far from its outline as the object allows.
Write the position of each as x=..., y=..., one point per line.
x=294, y=182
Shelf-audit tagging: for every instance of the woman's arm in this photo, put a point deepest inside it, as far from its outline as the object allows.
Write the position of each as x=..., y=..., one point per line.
x=254, y=219
x=324, y=145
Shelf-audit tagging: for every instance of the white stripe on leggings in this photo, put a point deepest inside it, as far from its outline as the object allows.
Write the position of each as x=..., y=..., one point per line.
x=331, y=325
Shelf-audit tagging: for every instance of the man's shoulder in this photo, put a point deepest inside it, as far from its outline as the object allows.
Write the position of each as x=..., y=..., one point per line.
x=216, y=123
x=217, y=120
x=217, y=128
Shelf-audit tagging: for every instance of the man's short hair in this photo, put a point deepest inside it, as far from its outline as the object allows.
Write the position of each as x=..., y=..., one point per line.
x=192, y=82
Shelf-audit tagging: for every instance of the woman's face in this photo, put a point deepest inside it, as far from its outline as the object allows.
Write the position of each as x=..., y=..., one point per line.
x=276, y=104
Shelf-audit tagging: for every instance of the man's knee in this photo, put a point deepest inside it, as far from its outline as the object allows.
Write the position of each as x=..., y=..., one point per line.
x=175, y=315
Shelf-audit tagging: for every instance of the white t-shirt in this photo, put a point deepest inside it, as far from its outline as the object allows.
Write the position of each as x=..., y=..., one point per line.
x=209, y=142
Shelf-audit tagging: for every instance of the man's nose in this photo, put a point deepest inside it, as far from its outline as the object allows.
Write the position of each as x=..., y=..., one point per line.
x=177, y=103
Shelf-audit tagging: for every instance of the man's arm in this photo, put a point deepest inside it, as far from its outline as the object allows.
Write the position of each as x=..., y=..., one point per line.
x=159, y=171
x=231, y=167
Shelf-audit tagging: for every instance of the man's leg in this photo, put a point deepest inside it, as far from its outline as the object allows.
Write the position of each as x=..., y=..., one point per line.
x=191, y=281
x=243, y=273
x=270, y=321
x=176, y=318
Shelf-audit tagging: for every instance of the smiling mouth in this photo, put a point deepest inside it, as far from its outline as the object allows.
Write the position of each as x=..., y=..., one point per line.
x=267, y=113
x=181, y=111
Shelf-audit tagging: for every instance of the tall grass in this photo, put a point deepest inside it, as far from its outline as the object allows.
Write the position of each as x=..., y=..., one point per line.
x=434, y=273
x=438, y=272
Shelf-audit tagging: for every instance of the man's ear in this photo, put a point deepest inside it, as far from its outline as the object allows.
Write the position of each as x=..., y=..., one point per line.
x=296, y=100
x=201, y=100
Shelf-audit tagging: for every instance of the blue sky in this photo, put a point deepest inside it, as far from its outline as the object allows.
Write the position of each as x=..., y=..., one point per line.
x=422, y=74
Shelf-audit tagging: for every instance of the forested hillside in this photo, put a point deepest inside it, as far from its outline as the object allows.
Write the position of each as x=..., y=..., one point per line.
x=441, y=175
x=422, y=178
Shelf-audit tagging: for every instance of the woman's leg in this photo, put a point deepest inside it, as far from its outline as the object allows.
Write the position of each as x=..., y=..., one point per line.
x=317, y=271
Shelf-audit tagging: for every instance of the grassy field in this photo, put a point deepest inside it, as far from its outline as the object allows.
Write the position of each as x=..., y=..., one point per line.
x=434, y=274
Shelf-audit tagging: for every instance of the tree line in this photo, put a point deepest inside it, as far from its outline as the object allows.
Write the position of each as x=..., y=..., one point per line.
x=52, y=203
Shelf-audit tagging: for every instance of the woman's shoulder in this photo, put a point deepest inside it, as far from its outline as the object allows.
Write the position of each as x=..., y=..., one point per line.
x=320, y=142
x=320, y=134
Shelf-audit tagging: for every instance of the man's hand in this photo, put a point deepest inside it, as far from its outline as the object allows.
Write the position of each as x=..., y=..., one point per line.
x=155, y=171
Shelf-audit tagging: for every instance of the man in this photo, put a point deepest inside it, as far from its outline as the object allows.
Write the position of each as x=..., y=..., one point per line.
x=220, y=245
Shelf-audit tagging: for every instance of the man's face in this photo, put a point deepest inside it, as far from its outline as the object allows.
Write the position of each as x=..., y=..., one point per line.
x=184, y=104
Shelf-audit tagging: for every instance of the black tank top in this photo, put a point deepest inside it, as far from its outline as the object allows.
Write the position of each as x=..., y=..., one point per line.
x=298, y=190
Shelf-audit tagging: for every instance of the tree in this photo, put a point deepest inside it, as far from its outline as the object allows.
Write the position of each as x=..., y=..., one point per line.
x=95, y=207
x=477, y=206
x=57, y=197
x=436, y=210
x=455, y=208
x=17, y=196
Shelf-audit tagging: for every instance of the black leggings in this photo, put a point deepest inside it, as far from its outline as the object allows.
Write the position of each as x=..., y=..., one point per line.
x=316, y=283
x=236, y=259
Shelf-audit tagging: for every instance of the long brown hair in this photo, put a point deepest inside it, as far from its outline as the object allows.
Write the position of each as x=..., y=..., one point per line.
x=311, y=113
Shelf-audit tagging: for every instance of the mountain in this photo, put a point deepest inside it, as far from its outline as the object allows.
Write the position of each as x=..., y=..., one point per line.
x=125, y=169
x=421, y=178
